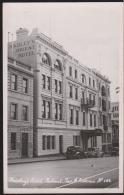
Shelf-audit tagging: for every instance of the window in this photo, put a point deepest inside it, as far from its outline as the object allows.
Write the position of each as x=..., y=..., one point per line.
x=53, y=142
x=108, y=92
x=25, y=113
x=83, y=78
x=58, y=65
x=14, y=82
x=77, y=117
x=91, y=120
x=89, y=81
x=84, y=119
x=44, y=109
x=103, y=91
x=70, y=70
x=71, y=116
x=75, y=74
x=60, y=87
x=60, y=111
x=76, y=93
x=43, y=142
x=103, y=105
x=71, y=94
x=76, y=140
x=56, y=111
x=99, y=102
x=48, y=110
x=94, y=120
x=48, y=142
x=46, y=59
x=13, y=111
x=93, y=83
x=13, y=141
x=48, y=83
x=25, y=85
x=56, y=89
x=44, y=81
x=94, y=99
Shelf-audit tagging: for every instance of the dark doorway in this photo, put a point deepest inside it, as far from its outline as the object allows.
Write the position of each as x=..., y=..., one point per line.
x=61, y=144
x=24, y=145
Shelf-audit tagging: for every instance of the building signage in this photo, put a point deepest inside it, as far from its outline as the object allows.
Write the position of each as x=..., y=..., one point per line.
x=24, y=48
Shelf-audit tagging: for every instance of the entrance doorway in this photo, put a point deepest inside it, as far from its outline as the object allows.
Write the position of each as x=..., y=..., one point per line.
x=61, y=144
x=24, y=145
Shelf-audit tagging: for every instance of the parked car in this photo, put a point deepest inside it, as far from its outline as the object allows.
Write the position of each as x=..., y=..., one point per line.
x=115, y=151
x=75, y=152
x=94, y=152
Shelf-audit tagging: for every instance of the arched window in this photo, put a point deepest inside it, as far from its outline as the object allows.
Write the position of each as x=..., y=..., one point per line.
x=103, y=91
x=83, y=78
x=58, y=65
x=46, y=59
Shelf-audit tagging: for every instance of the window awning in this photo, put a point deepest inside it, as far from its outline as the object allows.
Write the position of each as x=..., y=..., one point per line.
x=97, y=132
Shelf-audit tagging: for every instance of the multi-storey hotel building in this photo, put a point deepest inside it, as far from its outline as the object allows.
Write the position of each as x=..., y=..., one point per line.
x=20, y=109
x=71, y=101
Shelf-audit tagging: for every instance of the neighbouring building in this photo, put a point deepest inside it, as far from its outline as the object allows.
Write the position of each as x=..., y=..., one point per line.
x=115, y=123
x=20, y=109
x=71, y=101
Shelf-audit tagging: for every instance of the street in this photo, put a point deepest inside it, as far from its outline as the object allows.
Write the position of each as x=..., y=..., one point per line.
x=78, y=173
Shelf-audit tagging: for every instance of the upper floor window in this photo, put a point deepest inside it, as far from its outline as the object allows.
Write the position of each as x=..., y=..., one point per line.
x=46, y=111
x=94, y=120
x=103, y=91
x=90, y=119
x=89, y=81
x=56, y=86
x=76, y=93
x=60, y=87
x=83, y=78
x=71, y=116
x=75, y=74
x=46, y=59
x=48, y=83
x=70, y=71
x=13, y=111
x=44, y=81
x=108, y=92
x=77, y=117
x=71, y=92
x=58, y=111
x=58, y=65
x=84, y=120
x=14, y=82
x=25, y=85
x=25, y=113
x=94, y=83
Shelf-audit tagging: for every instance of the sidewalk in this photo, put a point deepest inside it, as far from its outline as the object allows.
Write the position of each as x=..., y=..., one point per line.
x=37, y=159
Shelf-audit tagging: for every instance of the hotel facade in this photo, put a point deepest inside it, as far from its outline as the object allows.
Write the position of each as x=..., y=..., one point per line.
x=71, y=103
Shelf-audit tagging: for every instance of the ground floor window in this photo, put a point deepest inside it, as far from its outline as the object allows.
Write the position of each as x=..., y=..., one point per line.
x=76, y=140
x=13, y=141
x=48, y=142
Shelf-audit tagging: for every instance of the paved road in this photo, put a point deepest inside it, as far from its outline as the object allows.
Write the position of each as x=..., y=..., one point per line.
x=79, y=173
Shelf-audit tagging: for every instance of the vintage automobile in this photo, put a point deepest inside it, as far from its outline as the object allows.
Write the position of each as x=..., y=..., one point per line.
x=75, y=152
x=94, y=152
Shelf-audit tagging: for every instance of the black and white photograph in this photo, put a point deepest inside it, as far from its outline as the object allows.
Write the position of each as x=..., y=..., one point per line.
x=63, y=97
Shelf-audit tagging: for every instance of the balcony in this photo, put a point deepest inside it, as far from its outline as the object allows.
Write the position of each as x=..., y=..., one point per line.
x=87, y=103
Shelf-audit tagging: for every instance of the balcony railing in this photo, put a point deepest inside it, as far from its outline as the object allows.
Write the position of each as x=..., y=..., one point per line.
x=87, y=103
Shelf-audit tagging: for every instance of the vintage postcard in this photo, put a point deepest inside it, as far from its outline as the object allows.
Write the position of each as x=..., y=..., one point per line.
x=63, y=97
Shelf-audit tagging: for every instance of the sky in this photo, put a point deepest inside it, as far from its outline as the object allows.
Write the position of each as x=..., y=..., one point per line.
x=91, y=32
